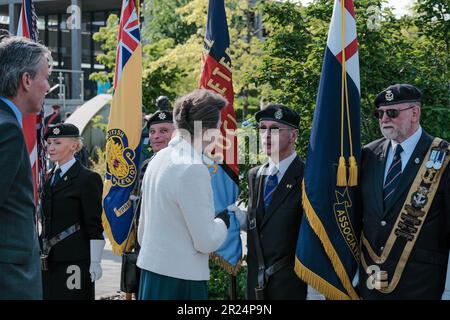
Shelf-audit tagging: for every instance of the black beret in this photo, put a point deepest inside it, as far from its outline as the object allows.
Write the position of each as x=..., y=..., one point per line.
x=279, y=113
x=162, y=103
x=398, y=93
x=160, y=116
x=62, y=130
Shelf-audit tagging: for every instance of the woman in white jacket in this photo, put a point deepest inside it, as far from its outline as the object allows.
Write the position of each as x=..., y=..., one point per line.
x=178, y=228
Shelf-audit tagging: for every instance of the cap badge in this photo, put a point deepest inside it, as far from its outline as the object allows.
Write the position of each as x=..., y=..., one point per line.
x=278, y=114
x=162, y=116
x=389, y=95
x=56, y=131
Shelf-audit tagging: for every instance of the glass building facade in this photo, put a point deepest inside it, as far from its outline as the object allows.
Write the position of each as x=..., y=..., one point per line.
x=56, y=32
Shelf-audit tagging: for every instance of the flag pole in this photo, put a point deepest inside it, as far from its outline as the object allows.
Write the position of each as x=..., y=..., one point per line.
x=233, y=287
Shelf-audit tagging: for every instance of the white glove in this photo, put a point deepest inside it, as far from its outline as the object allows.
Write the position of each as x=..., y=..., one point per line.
x=95, y=269
x=240, y=215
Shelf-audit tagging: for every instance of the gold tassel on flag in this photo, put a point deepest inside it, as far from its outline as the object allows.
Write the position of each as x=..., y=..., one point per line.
x=353, y=172
x=342, y=173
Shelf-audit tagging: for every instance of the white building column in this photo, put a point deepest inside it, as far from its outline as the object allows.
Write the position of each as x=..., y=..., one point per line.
x=14, y=12
x=75, y=27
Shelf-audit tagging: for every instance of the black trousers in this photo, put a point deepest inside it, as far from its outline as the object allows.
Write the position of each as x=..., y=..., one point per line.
x=68, y=280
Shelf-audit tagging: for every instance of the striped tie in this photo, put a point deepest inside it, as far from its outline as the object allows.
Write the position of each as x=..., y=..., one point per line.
x=393, y=175
x=271, y=184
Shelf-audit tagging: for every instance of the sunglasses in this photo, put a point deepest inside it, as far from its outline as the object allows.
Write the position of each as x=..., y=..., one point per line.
x=391, y=113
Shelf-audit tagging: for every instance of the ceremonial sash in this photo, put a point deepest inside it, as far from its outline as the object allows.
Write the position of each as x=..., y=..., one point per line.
x=412, y=215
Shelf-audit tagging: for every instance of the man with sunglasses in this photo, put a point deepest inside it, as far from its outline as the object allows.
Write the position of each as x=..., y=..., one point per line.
x=405, y=185
x=275, y=209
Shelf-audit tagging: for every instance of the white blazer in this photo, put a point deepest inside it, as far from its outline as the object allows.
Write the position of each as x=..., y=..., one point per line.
x=177, y=229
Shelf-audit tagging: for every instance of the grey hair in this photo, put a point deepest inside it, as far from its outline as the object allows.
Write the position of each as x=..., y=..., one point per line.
x=19, y=56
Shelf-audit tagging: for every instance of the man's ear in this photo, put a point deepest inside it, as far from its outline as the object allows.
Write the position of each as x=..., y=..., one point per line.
x=26, y=81
x=416, y=113
x=294, y=135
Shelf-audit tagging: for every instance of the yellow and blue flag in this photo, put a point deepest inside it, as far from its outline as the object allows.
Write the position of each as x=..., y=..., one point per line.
x=217, y=76
x=124, y=131
x=327, y=253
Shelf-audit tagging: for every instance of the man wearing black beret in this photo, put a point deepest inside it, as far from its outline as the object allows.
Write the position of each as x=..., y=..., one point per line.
x=160, y=128
x=405, y=185
x=274, y=209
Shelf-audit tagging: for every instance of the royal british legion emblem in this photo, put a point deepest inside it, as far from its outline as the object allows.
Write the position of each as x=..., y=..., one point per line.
x=389, y=95
x=278, y=114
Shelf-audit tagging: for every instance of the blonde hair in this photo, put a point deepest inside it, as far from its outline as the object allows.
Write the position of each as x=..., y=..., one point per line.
x=79, y=142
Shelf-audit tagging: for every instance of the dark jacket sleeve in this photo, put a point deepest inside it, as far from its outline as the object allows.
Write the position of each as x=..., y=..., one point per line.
x=91, y=201
x=447, y=202
x=10, y=152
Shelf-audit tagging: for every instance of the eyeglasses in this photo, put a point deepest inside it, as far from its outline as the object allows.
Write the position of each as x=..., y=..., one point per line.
x=391, y=113
x=265, y=129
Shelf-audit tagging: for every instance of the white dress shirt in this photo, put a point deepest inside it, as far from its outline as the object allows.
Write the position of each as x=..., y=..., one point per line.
x=280, y=167
x=65, y=167
x=408, y=148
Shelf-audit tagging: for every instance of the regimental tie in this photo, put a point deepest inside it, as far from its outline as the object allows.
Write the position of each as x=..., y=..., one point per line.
x=56, y=176
x=393, y=175
x=271, y=185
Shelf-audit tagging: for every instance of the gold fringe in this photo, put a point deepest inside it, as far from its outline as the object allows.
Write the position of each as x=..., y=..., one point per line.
x=225, y=264
x=116, y=248
x=330, y=292
x=342, y=173
x=319, y=229
x=353, y=172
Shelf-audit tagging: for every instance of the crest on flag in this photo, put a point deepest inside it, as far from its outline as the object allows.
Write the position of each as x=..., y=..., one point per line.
x=124, y=132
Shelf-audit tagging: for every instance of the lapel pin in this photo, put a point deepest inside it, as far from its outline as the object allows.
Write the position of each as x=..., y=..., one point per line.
x=417, y=161
x=289, y=186
x=65, y=178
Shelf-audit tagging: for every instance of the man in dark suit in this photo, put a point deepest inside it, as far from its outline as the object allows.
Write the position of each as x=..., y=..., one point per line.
x=24, y=70
x=405, y=184
x=275, y=209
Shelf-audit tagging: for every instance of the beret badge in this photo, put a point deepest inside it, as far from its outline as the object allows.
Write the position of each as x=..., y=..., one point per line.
x=389, y=95
x=278, y=114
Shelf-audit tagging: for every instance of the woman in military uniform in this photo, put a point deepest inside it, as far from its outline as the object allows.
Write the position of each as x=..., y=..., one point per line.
x=72, y=237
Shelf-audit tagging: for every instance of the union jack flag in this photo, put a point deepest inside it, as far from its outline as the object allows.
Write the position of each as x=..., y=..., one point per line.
x=129, y=38
x=33, y=125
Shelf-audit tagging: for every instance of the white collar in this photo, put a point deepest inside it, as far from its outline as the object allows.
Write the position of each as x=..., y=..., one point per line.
x=282, y=166
x=184, y=151
x=409, y=144
x=66, y=166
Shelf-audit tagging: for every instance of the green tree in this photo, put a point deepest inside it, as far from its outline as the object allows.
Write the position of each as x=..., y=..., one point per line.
x=107, y=36
x=163, y=21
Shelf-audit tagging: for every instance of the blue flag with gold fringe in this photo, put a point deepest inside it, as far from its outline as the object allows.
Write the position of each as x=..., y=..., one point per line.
x=217, y=76
x=124, y=131
x=327, y=252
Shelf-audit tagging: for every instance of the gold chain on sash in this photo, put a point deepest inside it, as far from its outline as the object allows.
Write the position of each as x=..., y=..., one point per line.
x=410, y=220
